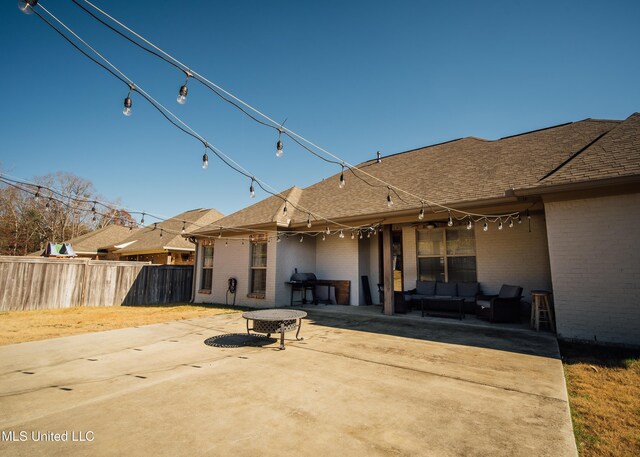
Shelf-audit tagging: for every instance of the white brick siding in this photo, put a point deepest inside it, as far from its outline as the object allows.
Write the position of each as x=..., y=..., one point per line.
x=337, y=258
x=513, y=256
x=595, y=265
x=508, y=256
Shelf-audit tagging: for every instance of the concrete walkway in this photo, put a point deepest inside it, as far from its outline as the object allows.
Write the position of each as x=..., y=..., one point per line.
x=356, y=386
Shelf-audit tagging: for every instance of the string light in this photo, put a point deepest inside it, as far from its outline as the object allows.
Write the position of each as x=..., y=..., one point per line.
x=353, y=235
x=342, y=183
x=279, y=145
x=252, y=192
x=226, y=243
x=469, y=224
x=26, y=6
x=421, y=213
x=278, y=238
x=510, y=223
x=155, y=225
x=389, y=201
x=485, y=227
x=450, y=221
x=284, y=209
x=182, y=93
x=142, y=219
x=327, y=231
x=37, y=194
x=127, y=104
x=309, y=221
x=379, y=158
x=500, y=225
x=93, y=209
x=519, y=219
x=205, y=159
x=341, y=234
x=360, y=234
x=235, y=101
x=184, y=228
x=301, y=238
x=161, y=230
x=323, y=237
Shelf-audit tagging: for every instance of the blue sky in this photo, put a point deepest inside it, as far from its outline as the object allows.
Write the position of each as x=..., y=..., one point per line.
x=354, y=77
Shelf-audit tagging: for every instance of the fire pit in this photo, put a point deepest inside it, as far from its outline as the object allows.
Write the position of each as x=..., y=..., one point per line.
x=275, y=320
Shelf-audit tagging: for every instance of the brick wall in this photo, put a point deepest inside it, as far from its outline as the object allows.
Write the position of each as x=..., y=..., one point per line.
x=337, y=258
x=508, y=256
x=595, y=265
x=513, y=256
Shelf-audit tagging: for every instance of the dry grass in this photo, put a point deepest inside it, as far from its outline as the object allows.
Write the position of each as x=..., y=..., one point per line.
x=604, y=393
x=21, y=326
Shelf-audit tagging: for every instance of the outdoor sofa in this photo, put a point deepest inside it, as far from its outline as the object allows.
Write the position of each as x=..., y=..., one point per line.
x=504, y=307
x=440, y=295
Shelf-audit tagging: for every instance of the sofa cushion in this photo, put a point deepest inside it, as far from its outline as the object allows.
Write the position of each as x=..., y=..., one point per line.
x=425, y=287
x=507, y=291
x=446, y=289
x=468, y=289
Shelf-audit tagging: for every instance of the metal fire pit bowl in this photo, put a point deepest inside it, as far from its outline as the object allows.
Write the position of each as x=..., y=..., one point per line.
x=275, y=320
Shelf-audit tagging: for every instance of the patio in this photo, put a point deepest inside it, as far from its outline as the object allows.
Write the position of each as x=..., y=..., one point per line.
x=359, y=384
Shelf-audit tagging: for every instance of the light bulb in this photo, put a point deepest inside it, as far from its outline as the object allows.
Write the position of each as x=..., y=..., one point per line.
x=389, y=201
x=301, y=238
x=279, y=149
x=361, y=236
x=309, y=221
x=378, y=159
x=184, y=228
x=469, y=225
x=182, y=95
x=127, y=107
x=341, y=234
x=252, y=191
x=342, y=183
x=323, y=237
x=278, y=239
x=519, y=219
x=37, y=194
x=161, y=233
x=450, y=221
x=26, y=6
x=510, y=223
x=500, y=226
x=368, y=234
x=421, y=214
x=205, y=161
x=284, y=210
x=142, y=220
x=485, y=227
x=327, y=231
x=353, y=236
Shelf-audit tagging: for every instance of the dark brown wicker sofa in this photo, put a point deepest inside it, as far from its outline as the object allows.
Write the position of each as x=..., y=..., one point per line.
x=443, y=291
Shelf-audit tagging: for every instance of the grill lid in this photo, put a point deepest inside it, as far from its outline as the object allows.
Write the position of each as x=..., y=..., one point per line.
x=302, y=277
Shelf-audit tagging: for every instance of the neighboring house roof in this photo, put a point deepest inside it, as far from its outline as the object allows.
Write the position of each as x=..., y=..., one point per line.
x=466, y=170
x=104, y=238
x=148, y=239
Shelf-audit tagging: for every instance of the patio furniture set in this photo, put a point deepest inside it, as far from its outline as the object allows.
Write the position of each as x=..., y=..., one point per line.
x=460, y=298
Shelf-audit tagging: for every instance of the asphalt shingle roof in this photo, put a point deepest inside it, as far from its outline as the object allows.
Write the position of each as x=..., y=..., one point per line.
x=466, y=170
x=148, y=239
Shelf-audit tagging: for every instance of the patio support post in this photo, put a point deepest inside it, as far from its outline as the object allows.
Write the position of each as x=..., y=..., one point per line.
x=387, y=273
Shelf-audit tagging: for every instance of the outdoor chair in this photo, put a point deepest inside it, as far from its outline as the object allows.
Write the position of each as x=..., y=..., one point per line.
x=504, y=307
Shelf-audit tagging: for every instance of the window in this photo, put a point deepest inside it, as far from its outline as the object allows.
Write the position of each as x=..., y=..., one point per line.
x=207, y=268
x=446, y=255
x=258, y=268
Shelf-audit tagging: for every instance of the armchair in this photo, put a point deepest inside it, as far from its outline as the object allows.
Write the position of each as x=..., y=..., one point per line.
x=504, y=307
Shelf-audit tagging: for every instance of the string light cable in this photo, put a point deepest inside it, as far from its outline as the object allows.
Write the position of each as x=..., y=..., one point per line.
x=168, y=115
x=299, y=139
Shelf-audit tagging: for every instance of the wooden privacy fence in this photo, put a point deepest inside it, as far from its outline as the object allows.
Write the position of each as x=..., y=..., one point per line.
x=40, y=283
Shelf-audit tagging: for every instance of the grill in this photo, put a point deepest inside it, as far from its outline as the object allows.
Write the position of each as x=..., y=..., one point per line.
x=303, y=283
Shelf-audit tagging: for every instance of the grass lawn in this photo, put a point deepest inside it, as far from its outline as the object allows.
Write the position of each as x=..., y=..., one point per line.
x=604, y=394
x=21, y=326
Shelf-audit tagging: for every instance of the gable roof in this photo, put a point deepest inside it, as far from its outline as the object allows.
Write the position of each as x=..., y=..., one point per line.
x=465, y=171
x=104, y=238
x=148, y=238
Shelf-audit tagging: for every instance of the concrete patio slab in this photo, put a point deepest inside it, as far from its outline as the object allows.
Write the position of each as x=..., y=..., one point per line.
x=357, y=385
